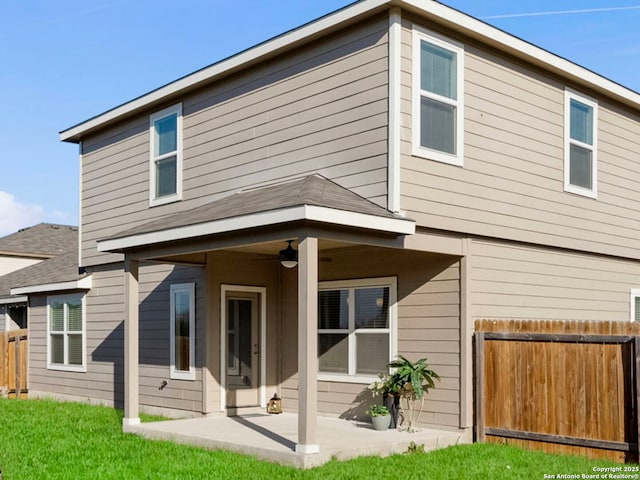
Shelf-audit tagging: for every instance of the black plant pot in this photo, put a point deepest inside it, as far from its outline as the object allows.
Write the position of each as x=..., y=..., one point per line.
x=392, y=402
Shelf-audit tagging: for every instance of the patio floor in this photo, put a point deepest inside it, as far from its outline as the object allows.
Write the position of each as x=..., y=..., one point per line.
x=273, y=437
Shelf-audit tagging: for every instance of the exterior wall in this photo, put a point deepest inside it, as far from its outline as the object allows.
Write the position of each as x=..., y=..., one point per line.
x=515, y=281
x=103, y=380
x=322, y=109
x=10, y=264
x=511, y=184
x=428, y=326
x=232, y=268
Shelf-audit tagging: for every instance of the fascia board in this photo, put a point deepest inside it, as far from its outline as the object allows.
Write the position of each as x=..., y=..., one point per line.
x=82, y=284
x=303, y=212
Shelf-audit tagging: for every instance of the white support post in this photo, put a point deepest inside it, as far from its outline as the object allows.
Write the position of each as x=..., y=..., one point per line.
x=131, y=356
x=307, y=345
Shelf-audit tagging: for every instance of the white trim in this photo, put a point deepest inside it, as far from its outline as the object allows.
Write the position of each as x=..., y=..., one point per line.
x=508, y=43
x=254, y=54
x=82, y=284
x=454, y=19
x=421, y=34
x=189, y=289
x=311, y=449
x=12, y=300
x=392, y=330
x=167, y=112
x=395, y=101
x=262, y=387
x=303, y=212
x=65, y=366
x=80, y=190
x=568, y=141
x=634, y=293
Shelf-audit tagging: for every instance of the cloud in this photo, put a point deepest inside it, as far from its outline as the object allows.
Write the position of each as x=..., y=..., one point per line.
x=563, y=12
x=15, y=215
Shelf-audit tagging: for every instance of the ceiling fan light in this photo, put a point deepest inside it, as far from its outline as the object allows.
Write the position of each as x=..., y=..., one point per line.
x=289, y=256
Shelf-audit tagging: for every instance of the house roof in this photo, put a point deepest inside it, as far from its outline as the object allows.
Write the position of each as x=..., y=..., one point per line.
x=44, y=240
x=431, y=9
x=312, y=198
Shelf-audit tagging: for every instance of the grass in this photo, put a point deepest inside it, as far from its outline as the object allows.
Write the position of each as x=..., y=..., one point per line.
x=43, y=439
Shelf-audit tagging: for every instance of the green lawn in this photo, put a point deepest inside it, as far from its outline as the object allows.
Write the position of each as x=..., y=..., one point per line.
x=41, y=439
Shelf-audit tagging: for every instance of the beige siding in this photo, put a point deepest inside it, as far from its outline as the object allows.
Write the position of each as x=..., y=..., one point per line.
x=428, y=326
x=103, y=380
x=511, y=185
x=321, y=109
x=512, y=281
x=10, y=264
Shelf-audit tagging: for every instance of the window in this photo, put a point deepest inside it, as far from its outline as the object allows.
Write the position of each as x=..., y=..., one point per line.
x=438, y=67
x=635, y=305
x=166, y=156
x=182, y=326
x=581, y=154
x=356, y=328
x=66, y=332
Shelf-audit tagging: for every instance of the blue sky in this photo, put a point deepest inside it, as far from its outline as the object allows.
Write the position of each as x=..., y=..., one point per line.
x=63, y=61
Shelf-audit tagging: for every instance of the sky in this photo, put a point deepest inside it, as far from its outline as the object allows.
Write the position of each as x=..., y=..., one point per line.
x=64, y=61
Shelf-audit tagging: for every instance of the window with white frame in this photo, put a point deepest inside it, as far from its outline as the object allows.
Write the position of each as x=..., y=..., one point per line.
x=438, y=66
x=356, y=327
x=634, y=307
x=66, y=332
x=182, y=327
x=166, y=156
x=581, y=146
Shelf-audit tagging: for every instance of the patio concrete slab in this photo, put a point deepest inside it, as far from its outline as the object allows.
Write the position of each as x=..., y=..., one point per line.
x=273, y=437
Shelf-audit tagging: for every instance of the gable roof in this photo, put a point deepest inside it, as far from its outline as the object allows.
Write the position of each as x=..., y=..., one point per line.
x=312, y=198
x=433, y=10
x=44, y=240
x=56, y=270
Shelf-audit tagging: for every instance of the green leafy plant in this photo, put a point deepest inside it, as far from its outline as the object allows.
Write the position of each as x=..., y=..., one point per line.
x=415, y=448
x=378, y=411
x=410, y=381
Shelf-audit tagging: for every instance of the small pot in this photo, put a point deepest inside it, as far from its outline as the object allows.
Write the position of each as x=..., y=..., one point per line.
x=381, y=422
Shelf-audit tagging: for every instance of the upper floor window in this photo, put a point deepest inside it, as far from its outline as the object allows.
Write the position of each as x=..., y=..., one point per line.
x=182, y=331
x=166, y=156
x=438, y=66
x=580, y=145
x=356, y=328
x=66, y=332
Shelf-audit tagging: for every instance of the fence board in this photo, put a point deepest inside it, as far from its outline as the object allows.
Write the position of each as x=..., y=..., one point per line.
x=563, y=387
x=13, y=363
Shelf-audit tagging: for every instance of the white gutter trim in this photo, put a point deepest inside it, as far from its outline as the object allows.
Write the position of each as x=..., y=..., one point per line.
x=261, y=219
x=82, y=284
x=523, y=49
x=212, y=71
x=9, y=301
x=395, y=121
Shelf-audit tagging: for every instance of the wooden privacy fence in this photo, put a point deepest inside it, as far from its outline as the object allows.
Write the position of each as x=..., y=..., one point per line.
x=561, y=387
x=13, y=364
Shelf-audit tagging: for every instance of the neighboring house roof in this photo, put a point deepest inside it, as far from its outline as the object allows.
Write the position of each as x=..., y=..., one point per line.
x=44, y=240
x=60, y=242
x=435, y=11
x=281, y=202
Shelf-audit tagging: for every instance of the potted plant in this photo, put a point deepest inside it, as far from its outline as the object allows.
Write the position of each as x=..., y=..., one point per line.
x=412, y=380
x=380, y=417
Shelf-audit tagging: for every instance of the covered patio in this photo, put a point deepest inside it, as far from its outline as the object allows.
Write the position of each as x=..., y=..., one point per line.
x=233, y=240
x=274, y=437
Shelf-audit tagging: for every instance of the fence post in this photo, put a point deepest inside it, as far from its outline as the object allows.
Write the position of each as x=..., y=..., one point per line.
x=480, y=394
x=636, y=377
x=18, y=366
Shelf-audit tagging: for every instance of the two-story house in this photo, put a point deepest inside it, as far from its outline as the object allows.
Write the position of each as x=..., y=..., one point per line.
x=426, y=169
